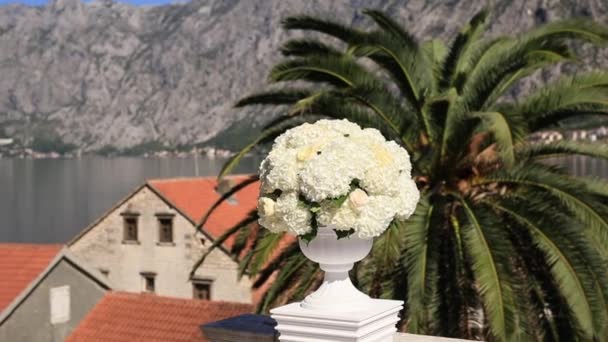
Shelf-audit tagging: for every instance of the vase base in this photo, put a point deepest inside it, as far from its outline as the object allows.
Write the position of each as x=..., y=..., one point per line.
x=373, y=324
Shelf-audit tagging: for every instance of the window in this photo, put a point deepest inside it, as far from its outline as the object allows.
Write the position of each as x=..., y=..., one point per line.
x=148, y=282
x=60, y=304
x=165, y=229
x=201, y=289
x=130, y=227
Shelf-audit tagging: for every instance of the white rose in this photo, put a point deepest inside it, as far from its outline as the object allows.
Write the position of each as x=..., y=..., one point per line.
x=357, y=198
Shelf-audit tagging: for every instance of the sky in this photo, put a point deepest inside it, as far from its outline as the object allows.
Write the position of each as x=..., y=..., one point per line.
x=134, y=2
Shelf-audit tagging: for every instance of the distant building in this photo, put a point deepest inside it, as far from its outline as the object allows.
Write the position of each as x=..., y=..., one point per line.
x=149, y=241
x=44, y=292
x=20, y=264
x=122, y=316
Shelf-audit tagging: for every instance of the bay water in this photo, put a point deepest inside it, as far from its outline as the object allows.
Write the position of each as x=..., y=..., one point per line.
x=51, y=200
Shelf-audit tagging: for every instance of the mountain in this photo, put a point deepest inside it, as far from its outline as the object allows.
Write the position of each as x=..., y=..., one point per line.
x=104, y=74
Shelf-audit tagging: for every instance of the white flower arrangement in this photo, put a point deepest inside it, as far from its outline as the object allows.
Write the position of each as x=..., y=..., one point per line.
x=333, y=173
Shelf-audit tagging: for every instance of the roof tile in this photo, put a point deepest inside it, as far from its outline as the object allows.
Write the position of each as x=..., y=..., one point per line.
x=195, y=196
x=20, y=264
x=129, y=317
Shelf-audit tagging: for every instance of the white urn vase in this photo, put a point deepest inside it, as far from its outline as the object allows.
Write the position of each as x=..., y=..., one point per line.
x=337, y=311
x=336, y=257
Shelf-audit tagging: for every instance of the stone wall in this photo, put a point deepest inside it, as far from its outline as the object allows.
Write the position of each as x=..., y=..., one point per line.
x=103, y=247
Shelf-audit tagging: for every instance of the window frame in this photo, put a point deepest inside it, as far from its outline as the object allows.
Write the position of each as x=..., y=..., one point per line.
x=145, y=276
x=202, y=281
x=161, y=234
x=126, y=236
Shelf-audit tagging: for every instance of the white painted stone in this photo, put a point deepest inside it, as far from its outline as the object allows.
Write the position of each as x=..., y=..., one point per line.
x=337, y=311
x=401, y=337
x=336, y=258
x=375, y=324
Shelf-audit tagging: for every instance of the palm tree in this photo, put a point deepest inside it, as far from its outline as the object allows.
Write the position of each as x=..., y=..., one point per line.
x=503, y=245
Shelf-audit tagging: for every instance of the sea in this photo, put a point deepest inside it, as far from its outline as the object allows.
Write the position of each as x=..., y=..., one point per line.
x=51, y=200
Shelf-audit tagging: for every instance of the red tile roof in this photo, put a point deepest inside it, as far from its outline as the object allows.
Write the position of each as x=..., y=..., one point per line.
x=20, y=264
x=130, y=317
x=195, y=196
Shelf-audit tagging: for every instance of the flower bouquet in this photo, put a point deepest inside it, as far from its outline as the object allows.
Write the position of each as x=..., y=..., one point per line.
x=334, y=174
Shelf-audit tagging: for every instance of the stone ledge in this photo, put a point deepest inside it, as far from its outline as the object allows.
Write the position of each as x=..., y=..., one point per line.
x=260, y=328
x=401, y=337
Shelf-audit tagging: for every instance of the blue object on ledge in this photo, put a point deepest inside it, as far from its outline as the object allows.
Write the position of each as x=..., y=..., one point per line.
x=247, y=327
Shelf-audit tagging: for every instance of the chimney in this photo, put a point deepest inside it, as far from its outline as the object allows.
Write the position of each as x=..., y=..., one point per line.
x=223, y=187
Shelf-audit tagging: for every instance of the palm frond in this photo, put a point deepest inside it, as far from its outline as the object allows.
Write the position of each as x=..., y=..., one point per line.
x=251, y=218
x=265, y=247
x=325, y=26
x=307, y=47
x=503, y=64
x=486, y=246
x=390, y=26
x=570, y=192
x=569, y=96
x=405, y=64
x=225, y=196
x=367, y=103
x=340, y=105
x=435, y=51
x=474, y=54
x=459, y=127
x=339, y=71
x=286, y=274
x=580, y=29
x=460, y=46
x=576, y=283
x=267, y=135
x=275, y=263
x=497, y=124
x=275, y=97
x=421, y=257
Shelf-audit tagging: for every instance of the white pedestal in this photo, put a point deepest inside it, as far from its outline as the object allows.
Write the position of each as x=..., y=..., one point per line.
x=377, y=323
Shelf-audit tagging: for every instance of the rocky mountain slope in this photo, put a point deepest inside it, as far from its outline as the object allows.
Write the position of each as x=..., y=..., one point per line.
x=103, y=73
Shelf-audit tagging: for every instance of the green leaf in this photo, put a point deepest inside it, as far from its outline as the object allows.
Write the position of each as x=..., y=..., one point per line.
x=460, y=46
x=497, y=124
x=563, y=269
x=341, y=234
x=496, y=295
x=308, y=237
x=274, y=97
x=420, y=257
x=338, y=201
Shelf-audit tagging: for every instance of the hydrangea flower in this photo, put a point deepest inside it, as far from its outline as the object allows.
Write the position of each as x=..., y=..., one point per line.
x=333, y=173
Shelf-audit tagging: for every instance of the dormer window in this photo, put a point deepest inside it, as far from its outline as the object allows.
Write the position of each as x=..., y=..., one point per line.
x=225, y=186
x=165, y=228
x=130, y=227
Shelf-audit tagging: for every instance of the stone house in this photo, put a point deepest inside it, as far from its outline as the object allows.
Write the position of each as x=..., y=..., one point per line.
x=149, y=241
x=45, y=291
